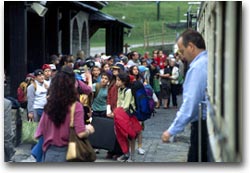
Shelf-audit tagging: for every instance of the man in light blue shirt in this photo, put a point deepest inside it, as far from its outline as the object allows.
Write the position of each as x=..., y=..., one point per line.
x=192, y=47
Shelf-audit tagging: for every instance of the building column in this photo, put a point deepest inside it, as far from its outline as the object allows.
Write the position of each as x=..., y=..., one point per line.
x=52, y=30
x=65, y=26
x=15, y=43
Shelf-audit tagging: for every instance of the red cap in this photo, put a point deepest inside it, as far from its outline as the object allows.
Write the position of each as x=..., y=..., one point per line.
x=46, y=66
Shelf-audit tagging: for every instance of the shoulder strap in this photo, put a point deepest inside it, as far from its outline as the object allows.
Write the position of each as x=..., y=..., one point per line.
x=125, y=90
x=72, y=112
x=34, y=83
x=97, y=89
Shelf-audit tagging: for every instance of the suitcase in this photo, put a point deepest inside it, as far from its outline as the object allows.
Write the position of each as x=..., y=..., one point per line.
x=104, y=135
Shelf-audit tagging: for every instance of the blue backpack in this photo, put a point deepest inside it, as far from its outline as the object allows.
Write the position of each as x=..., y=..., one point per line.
x=151, y=102
x=143, y=101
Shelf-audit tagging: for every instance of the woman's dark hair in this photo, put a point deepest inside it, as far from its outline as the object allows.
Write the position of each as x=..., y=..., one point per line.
x=62, y=93
x=124, y=77
x=131, y=70
x=194, y=37
x=103, y=64
x=108, y=74
x=137, y=77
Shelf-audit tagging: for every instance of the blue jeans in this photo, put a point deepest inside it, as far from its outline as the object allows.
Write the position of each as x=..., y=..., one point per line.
x=38, y=114
x=55, y=154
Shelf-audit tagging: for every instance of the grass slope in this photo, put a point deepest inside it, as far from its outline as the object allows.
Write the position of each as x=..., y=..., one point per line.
x=137, y=13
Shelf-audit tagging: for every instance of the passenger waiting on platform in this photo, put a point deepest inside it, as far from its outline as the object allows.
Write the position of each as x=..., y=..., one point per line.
x=47, y=74
x=111, y=60
x=111, y=105
x=165, y=84
x=127, y=127
x=22, y=90
x=181, y=67
x=134, y=70
x=174, y=82
x=80, y=55
x=66, y=60
x=100, y=90
x=55, y=121
x=53, y=70
x=160, y=59
x=54, y=59
x=134, y=59
x=95, y=72
x=105, y=67
x=192, y=46
x=37, y=96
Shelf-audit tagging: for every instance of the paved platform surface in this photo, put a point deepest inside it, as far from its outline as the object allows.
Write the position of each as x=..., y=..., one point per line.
x=156, y=150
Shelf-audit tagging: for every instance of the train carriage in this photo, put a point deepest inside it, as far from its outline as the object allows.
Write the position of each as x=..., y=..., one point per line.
x=220, y=22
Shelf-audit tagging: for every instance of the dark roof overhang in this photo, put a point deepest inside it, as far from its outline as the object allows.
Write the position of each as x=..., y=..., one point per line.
x=106, y=19
x=98, y=16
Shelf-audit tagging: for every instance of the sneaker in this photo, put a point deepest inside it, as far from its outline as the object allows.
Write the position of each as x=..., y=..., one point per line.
x=141, y=151
x=97, y=151
x=123, y=158
x=130, y=160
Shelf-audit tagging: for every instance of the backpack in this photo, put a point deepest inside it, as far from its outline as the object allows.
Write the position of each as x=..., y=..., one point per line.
x=143, y=101
x=151, y=102
x=22, y=92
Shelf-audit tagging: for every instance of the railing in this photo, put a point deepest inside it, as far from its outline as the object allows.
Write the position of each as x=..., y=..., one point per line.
x=159, y=39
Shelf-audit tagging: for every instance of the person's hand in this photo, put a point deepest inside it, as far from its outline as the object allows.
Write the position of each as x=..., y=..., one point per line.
x=165, y=136
x=110, y=115
x=88, y=75
x=90, y=128
x=30, y=116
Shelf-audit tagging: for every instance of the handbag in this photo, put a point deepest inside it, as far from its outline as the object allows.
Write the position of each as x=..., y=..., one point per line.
x=79, y=150
x=180, y=79
x=28, y=131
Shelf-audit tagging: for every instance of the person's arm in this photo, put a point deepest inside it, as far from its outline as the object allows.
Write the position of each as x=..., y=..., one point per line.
x=166, y=74
x=109, y=97
x=8, y=133
x=30, y=98
x=81, y=129
x=175, y=73
x=86, y=89
x=127, y=99
x=89, y=129
x=194, y=91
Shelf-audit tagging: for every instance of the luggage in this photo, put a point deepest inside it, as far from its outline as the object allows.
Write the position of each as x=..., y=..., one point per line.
x=104, y=135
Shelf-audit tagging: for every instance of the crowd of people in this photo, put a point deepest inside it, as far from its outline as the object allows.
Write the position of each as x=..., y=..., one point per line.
x=44, y=93
x=48, y=94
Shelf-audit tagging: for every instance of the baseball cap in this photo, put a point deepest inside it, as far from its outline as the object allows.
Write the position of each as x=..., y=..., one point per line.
x=142, y=68
x=46, y=66
x=52, y=66
x=38, y=72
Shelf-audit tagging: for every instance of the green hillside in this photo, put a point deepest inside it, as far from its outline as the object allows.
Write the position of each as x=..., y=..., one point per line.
x=137, y=13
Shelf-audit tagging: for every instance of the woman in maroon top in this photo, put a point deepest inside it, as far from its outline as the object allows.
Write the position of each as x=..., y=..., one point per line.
x=54, y=124
x=111, y=105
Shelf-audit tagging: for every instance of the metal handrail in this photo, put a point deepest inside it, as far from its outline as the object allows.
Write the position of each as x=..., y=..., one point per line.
x=200, y=131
